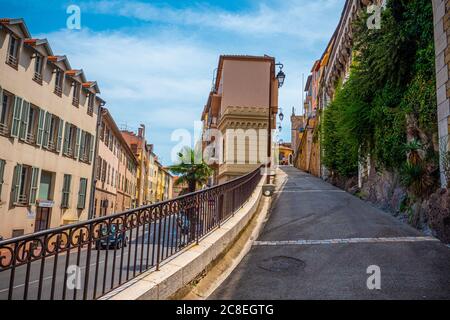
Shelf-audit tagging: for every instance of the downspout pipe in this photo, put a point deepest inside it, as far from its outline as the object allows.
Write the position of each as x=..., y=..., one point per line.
x=94, y=161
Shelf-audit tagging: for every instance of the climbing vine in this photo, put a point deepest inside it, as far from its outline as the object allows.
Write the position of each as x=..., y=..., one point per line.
x=389, y=98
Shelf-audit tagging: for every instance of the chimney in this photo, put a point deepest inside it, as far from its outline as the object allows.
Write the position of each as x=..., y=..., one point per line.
x=141, y=131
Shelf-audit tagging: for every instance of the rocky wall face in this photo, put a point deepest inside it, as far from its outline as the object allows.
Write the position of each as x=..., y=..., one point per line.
x=438, y=213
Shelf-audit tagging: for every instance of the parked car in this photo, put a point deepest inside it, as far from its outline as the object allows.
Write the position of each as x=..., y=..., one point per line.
x=112, y=240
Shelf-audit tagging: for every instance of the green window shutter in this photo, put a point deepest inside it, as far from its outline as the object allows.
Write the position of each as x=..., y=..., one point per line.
x=2, y=171
x=40, y=131
x=16, y=117
x=66, y=191
x=66, y=138
x=1, y=96
x=60, y=135
x=34, y=185
x=24, y=120
x=91, y=148
x=82, y=194
x=77, y=144
x=17, y=177
x=82, y=145
x=48, y=119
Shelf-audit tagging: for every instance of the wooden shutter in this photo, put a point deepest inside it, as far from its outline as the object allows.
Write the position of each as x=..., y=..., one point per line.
x=17, y=177
x=2, y=172
x=82, y=145
x=66, y=191
x=34, y=185
x=66, y=138
x=91, y=148
x=82, y=194
x=46, y=138
x=40, y=131
x=16, y=116
x=24, y=120
x=77, y=144
x=60, y=135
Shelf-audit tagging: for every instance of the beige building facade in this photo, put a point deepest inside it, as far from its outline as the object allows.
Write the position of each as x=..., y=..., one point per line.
x=47, y=135
x=236, y=116
x=116, y=170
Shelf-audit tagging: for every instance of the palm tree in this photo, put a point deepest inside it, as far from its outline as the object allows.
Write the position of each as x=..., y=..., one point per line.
x=190, y=170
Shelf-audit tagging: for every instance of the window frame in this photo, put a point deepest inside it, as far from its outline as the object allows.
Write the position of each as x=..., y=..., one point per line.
x=12, y=59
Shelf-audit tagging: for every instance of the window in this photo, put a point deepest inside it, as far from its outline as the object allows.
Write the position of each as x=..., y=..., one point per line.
x=59, y=82
x=82, y=194
x=107, y=136
x=13, y=50
x=32, y=126
x=104, y=170
x=86, y=147
x=109, y=172
x=102, y=131
x=50, y=127
x=76, y=93
x=66, y=191
x=2, y=172
x=5, y=112
x=98, y=172
x=25, y=185
x=72, y=137
x=90, y=109
x=112, y=177
x=38, y=68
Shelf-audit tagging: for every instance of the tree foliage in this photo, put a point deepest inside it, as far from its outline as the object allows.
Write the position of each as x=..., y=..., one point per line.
x=392, y=79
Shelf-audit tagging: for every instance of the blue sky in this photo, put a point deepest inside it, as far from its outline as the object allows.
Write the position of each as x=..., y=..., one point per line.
x=154, y=60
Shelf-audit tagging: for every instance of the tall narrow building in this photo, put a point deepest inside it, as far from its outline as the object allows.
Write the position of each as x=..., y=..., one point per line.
x=236, y=116
x=48, y=120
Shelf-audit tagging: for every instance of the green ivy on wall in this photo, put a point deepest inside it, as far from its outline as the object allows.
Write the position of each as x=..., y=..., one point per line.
x=392, y=79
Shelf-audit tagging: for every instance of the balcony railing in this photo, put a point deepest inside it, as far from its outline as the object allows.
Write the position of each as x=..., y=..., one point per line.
x=58, y=91
x=37, y=77
x=68, y=263
x=4, y=129
x=12, y=61
x=75, y=101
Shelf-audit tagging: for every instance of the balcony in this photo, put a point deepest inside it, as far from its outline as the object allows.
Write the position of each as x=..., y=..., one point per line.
x=38, y=78
x=30, y=138
x=76, y=101
x=22, y=200
x=58, y=91
x=4, y=129
x=12, y=61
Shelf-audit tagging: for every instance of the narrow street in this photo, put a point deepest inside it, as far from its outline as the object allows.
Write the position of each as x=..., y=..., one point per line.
x=334, y=237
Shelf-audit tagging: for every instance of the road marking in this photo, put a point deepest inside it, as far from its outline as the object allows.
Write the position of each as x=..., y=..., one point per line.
x=345, y=241
x=307, y=191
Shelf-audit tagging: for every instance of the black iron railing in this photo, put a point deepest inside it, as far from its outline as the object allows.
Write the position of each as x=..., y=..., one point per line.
x=89, y=259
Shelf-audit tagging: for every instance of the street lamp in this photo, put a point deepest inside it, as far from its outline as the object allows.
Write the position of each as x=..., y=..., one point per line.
x=280, y=76
x=281, y=115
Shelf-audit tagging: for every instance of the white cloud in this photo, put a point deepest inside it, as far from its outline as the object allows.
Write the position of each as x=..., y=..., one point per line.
x=161, y=75
x=291, y=18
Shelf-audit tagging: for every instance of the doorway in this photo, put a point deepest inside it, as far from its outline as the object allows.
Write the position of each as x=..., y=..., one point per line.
x=42, y=219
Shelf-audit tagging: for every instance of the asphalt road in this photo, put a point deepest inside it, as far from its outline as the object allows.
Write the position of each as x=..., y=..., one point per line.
x=319, y=242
